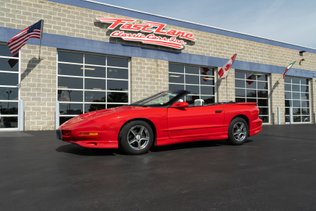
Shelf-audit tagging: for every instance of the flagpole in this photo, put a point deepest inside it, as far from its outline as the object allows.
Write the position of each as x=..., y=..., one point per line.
x=39, y=53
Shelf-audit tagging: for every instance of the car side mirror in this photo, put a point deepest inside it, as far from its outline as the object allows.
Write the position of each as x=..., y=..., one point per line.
x=180, y=105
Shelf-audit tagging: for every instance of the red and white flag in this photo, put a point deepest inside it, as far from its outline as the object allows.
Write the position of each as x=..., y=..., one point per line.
x=223, y=71
x=288, y=67
x=20, y=39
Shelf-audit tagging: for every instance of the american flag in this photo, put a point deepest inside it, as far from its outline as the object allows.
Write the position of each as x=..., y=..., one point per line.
x=20, y=39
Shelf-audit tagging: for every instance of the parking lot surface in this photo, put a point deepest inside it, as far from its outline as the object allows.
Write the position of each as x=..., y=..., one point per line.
x=275, y=170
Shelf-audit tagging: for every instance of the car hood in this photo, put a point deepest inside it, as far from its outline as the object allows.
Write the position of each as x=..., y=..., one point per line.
x=101, y=113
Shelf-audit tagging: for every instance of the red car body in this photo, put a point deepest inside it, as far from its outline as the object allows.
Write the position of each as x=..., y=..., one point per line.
x=171, y=124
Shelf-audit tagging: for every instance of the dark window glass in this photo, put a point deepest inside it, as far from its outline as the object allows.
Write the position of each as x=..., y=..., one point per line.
x=240, y=92
x=264, y=111
x=304, y=89
x=4, y=65
x=174, y=88
x=263, y=94
x=262, y=85
x=190, y=79
x=192, y=69
x=117, y=61
x=95, y=84
x=4, y=50
x=65, y=82
x=296, y=95
x=295, y=80
x=91, y=71
x=288, y=87
x=296, y=88
x=305, y=111
x=117, y=73
x=263, y=102
x=193, y=89
x=179, y=68
x=297, y=118
x=176, y=78
x=94, y=107
x=250, y=84
x=95, y=96
x=118, y=85
x=240, y=100
x=306, y=119
x=117, y=97
x=288, y=103
x=287, y=95
x=207, y=90
x=70, y=69
x=114, y=105
x=66, y=56
x=305, y=103
x=296, y=111
x=63, y=119
x=8, y=122
x=251, y=93
x=287, y=111
x=262, y=77
x=208, y=99
x=253, y=100
x=304, y=81
x=205, y=71
x=8, y=108
x=67, y=108
x=265, y=119
x=240, y=83
x=207, y=80
x=287, y=119
x=10, y=79
x=239, y=74
x=94, y=59
x=8, y=93
x=70, y=95
x=296, y=103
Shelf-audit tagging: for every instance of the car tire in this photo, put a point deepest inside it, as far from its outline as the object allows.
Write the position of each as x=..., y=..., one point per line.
x=238, y=131
x=136, y=137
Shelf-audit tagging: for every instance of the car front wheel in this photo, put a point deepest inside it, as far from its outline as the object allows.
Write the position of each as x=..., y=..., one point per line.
x=136, y=137
x=238, y=131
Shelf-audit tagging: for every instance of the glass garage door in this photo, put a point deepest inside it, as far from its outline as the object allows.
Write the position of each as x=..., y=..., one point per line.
x=297, y=100
x=253, y=87
x=9, y=90
x=88, y=82
x=199, y=81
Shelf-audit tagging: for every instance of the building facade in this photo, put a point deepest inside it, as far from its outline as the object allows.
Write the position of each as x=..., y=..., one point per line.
x=95, y=56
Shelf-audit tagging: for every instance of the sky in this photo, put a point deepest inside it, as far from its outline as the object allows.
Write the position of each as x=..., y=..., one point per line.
x=287, y=21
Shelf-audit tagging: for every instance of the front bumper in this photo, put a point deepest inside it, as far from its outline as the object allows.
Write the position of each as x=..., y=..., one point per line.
x=101, y=141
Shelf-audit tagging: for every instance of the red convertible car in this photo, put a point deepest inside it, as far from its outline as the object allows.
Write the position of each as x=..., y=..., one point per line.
x=163, y=119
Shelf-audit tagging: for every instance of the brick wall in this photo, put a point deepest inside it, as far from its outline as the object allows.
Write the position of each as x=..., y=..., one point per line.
x=277, y=99
x=148, y=77
x=226, y=88
x=38, y=87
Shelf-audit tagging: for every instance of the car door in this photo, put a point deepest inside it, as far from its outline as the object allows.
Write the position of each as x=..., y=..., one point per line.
x=195, y=121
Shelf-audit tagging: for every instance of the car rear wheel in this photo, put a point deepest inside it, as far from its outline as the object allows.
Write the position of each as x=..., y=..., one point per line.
x=136, y=137
x=238, y=131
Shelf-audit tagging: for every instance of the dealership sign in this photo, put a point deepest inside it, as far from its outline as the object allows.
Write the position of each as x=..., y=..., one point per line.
x=150, y=33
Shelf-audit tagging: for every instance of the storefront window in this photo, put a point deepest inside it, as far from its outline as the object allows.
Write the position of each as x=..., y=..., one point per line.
x=253, y=87
x=88, y=82
x=199, y=81
x=297, y=100
x=9, y=89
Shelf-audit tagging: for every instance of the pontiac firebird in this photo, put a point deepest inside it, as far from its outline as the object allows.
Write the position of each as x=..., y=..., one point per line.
x=163, y=119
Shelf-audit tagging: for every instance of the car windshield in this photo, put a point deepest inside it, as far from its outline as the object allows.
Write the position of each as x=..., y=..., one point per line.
x=161, y=99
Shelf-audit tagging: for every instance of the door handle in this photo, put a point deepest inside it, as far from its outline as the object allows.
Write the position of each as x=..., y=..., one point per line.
x=218, y=111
